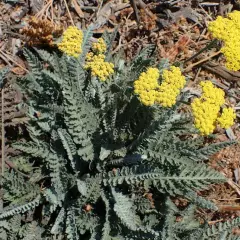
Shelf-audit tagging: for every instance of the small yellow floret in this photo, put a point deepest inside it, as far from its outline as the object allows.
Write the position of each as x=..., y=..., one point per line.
x=98, y=66
x=100, y=46
x=228, y=30
x=72, y=42
x=227, y=118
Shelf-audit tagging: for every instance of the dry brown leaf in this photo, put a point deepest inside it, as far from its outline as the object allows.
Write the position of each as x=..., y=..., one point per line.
x=149, y=22
x=179, y=46
x=18, y=71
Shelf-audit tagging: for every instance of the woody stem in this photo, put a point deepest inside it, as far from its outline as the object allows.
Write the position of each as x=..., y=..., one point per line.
x=190, y=67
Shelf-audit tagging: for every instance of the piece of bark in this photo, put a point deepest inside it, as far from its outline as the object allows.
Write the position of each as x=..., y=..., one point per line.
x=221, y=71
x=184, y=12
x=136, y=11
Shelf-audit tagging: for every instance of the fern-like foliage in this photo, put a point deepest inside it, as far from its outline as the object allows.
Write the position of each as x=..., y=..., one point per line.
x=95, y=153
x=12, y=113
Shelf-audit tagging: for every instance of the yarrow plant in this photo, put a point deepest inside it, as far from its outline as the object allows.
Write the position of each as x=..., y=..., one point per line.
x=206, y=109
x=108, y=158
x=71, y=43
x=150, y=91
x=228, y=30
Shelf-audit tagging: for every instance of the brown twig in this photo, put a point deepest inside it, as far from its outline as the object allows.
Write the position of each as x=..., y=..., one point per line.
x=228, y=199
x=69, y=14
x=11, y=165
x=99, y=8
x=216, y=221
x=190, y=83
x=207, y=47
x=5, y=60
x=44, y=9
x=235, y=186
x=119, y=45
x=227, y=208
x=134, y=6
x=52, y=13
x=143, y=6
x=12, y=60
x=190, y=67
x=222, y=71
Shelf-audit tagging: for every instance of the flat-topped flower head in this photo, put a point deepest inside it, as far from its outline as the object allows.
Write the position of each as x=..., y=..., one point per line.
x=147, y=80
x=227, y=118
x=150, y=92
x=228, y=30
x=173, y=83
x=72, y=42
x=98, y=66
x=205, y=115
x=100, y=46
x=174, y=77
x=212, y=94
x=206, y=109
x=145, y=86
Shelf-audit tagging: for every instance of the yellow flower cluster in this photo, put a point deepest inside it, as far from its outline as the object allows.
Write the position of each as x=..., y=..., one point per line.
x=228, y=30
x=72, y=42
x=151, y=92
x=100, y=46
x=212, y=94
x=206, y=109
x=145, y=86
x=227, y=118
x=98, y=66
x=173, y=83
